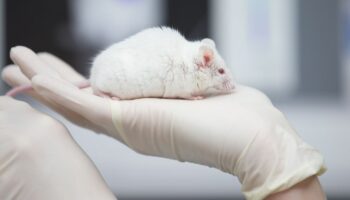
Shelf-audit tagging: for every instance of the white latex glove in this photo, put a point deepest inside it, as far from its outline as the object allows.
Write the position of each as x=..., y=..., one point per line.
x=242, y=133
x=39, y=160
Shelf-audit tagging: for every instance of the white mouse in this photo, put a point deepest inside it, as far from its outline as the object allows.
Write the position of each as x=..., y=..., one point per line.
x=157, y=62
x=160, y=62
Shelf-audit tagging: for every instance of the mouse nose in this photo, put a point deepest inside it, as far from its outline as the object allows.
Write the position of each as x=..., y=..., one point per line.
x=221, y=71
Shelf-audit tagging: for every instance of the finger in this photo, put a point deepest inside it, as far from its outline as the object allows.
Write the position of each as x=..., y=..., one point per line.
x=13, y=76
x=69, y=97
x=61, y=67
x=29, y=63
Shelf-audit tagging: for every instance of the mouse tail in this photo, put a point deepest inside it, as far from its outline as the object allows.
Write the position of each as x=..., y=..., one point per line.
x=25, y=88
x=19, y=89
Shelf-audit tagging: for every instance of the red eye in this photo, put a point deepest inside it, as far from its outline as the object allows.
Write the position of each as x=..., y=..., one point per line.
x=221, y=71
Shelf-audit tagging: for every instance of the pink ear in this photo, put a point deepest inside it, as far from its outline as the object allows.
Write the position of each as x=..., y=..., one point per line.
x=208, y=56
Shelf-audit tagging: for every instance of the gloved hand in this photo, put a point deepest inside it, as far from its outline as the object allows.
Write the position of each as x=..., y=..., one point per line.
x=40, y=160
x=242, y=133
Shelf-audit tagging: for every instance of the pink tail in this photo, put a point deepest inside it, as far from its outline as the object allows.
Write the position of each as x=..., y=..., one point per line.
x=14, y=91
x=25, y=88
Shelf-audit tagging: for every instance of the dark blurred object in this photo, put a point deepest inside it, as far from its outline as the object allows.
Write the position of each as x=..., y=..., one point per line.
x=38, y=25
x=43, y=26
x=319, y=50
x=191, y=19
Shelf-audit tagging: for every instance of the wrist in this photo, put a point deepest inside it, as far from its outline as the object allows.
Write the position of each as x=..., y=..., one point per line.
x=309, y=188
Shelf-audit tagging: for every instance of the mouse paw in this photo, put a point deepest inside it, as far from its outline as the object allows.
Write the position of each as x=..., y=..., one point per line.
x=196, y=97
x=115, y=98
x=104, y=95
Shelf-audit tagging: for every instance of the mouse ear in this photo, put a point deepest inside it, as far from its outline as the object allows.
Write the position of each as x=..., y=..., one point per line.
x=206, y=56
x=209, y=42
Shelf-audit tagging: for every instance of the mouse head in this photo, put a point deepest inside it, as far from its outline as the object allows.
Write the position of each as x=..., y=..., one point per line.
x=213, y=75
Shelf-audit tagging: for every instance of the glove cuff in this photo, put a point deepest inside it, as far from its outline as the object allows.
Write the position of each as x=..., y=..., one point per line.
x=274, y=161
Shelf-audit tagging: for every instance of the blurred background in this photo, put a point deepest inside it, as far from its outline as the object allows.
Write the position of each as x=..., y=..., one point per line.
x=296, y=51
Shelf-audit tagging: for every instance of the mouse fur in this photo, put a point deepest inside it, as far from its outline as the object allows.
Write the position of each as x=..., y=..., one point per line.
x=160, y=62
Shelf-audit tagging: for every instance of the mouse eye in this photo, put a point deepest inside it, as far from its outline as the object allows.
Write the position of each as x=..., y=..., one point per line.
x=221, y=71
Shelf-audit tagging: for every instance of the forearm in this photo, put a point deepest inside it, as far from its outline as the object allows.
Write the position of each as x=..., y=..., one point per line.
x=310, y=188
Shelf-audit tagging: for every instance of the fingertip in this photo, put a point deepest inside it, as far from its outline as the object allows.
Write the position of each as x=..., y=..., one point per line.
x=5, y=73
x=13, y=76
x=22, y=56
x=19, y=50
x=29, y=62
